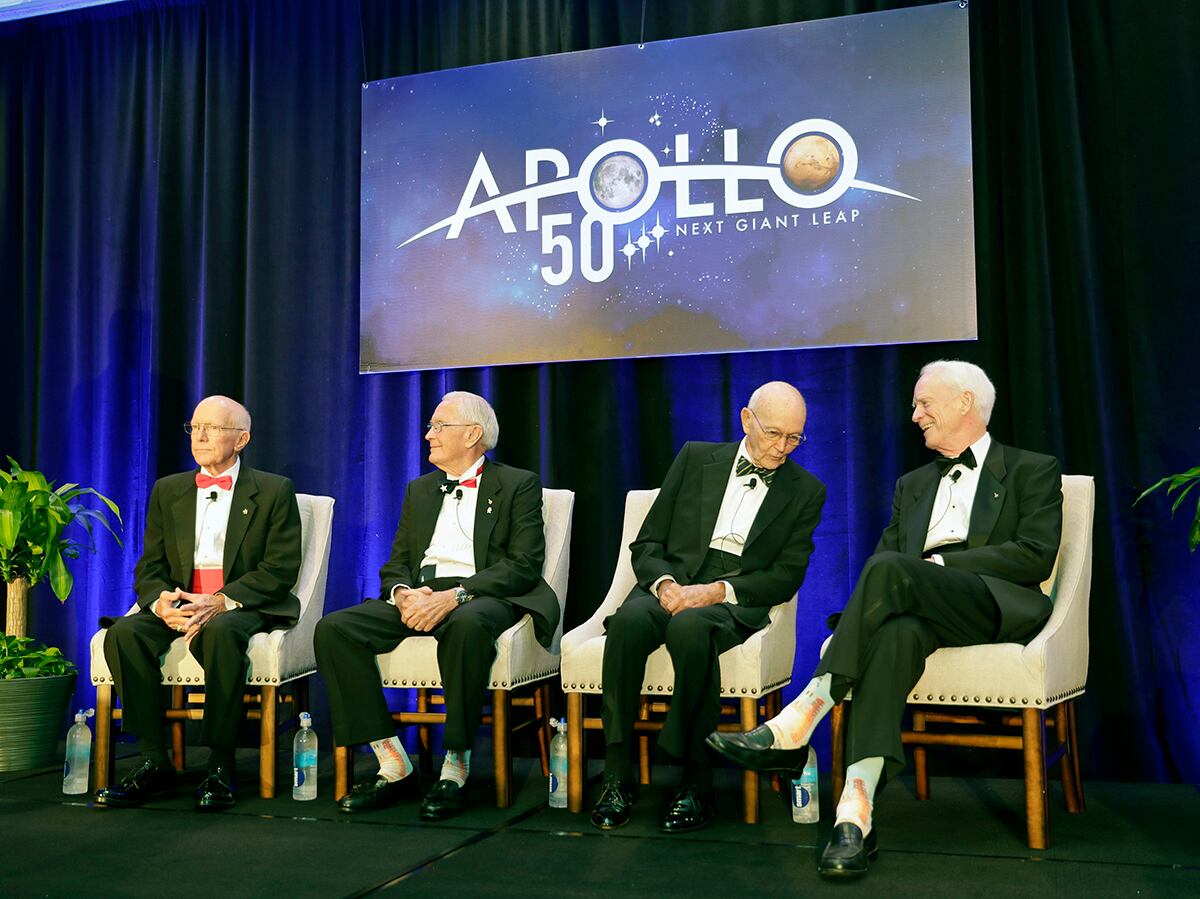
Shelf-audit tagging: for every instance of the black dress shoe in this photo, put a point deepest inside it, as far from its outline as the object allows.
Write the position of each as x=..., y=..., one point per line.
x=445, y=800
x=378, y=793
x=691, y=809
x=144, y=782
x=215, y=793
x=614, y=803
x=847, y=854
x=753, y=750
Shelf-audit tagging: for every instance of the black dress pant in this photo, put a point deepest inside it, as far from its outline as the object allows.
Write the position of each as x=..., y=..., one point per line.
x=348, y=641
x=694, y=639
x=134, y=646
x=902, y=609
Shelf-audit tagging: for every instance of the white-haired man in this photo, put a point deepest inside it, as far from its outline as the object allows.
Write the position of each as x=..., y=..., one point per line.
x=221, y=554
x=971, y=537
x=466, y=564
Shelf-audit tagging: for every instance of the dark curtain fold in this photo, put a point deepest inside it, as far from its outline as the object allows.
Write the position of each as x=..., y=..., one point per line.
x=179, y=216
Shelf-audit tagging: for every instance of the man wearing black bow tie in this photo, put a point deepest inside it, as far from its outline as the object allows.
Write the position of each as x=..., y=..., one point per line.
x=221, y=555
x=466, y=564
x=728, y=537
x=972, y=536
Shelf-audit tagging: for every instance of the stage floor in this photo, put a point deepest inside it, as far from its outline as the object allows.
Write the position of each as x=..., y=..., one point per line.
x=1134, y=839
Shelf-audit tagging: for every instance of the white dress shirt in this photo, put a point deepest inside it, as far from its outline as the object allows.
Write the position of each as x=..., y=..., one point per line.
x=950, y=521
x=452, y=547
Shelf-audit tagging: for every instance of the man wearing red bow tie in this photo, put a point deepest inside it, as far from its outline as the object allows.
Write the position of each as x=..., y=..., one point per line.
x=221, y=555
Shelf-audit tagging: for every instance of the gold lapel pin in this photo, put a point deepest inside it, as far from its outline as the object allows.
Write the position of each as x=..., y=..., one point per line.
x=245, y=511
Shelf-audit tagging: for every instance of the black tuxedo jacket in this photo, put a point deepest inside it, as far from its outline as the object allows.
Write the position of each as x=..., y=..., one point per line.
x=1016, y=526
x=675, y=536
x=262, y=542
x=510, y=543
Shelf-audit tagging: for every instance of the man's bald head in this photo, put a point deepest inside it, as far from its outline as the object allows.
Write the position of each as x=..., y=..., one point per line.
x=220, y=430
x=773, y=422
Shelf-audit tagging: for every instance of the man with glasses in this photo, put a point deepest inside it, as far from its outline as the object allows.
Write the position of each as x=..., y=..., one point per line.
x=728, y=537
x=973, y=534
x=466, y=564
x=220, y=557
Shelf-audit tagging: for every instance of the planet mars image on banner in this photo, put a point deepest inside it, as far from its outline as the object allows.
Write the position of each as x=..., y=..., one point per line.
x=812, y=162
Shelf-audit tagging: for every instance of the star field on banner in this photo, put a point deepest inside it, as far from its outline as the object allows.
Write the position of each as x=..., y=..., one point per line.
x=792, y=186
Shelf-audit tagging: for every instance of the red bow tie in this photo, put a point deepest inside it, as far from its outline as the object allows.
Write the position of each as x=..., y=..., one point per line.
x=225, y=482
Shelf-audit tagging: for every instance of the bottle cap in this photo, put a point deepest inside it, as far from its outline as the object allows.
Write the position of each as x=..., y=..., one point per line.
x=83, y=714
x=305, y=719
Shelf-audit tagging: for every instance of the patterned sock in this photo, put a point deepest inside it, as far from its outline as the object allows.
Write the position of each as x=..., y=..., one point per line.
x=793, y=727
x=393, y=760
x=858, y=796
x=456, y=766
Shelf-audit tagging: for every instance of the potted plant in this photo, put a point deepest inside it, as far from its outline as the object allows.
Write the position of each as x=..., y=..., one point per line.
x=1183, y=482
x=36, y=682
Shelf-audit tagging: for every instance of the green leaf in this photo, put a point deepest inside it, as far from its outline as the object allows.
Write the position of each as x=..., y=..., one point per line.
x=1150, y=490
x=10, y=527
x=1182, y=494
x=104, y=499
x=61, y=579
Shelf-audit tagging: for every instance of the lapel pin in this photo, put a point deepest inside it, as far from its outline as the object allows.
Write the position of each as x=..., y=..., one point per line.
x=995, y=496
x=245, y=511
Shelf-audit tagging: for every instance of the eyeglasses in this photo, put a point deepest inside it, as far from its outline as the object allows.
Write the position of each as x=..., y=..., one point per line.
x=191, y=427
x=435, y=427
x=774, y=436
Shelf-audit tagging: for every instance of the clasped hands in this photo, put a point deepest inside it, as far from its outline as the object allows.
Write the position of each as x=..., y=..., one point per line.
x=193, y=612
x=423, y=609
x=674, y=598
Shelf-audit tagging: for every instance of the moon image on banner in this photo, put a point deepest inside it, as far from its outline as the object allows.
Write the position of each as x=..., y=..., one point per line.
x=812, y=162
x=618, y=181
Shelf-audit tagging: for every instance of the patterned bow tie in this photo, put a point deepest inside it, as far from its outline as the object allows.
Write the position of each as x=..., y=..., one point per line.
x=449, y=485
x=945, y=463
x=745, y=467
x=225, y=482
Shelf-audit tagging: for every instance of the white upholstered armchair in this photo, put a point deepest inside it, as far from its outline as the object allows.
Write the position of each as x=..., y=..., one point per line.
x=751, y=673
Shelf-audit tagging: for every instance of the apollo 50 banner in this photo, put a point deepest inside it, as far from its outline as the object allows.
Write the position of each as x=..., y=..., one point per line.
x=794, y=186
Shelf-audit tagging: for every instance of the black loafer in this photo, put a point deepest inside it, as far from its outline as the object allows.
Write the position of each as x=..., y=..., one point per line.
x=215, y=793
x=143, y=783
x=847, y=854
x=445, y=800
x=614, y=803
x=378, y=793
x=753, y=750
x=691, y=809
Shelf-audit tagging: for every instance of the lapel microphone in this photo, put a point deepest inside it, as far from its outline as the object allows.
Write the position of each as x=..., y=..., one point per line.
x=954, y=477
x=212, y=497
x=753, y=483
x=458, y=494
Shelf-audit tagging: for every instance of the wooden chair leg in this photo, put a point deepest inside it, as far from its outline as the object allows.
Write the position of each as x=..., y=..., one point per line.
x=920, y=757
x=774, y=704
x=177, y=741
x=541, y=710
x=749, y=715
x=104, y=739
x=267, y=749
x=424, y=743
x=343, y=774
x=1033, y=739
x=644, y=746
x=1073, y=736
x=1066, y=765
x=300, y=692
x=575, y=757
x=837, y=740
x=501, y=756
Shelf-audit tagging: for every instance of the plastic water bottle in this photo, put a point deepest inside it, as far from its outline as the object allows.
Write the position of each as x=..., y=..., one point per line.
x=79, y=754
x=805, y=808
x=304, y=755
x=558, y=765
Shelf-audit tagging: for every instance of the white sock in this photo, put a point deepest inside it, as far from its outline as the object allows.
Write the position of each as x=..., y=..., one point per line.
x=793, y=727
x=858, y=796
x=393, y=760
x=456, y=766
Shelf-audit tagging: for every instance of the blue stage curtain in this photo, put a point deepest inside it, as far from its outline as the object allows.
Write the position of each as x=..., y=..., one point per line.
x=179, y=216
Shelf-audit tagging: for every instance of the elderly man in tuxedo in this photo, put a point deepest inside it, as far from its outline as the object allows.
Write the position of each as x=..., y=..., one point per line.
x=221, y=555
x=466, y=564
x=728, y=537
x=972, y=535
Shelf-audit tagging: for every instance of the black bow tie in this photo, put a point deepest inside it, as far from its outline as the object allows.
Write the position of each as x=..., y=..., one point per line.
x=945, y=463
x=447, y=485
x=745, y=467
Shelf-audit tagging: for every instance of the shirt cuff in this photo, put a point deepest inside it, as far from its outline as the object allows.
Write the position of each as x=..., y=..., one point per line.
x=730, y=593
x=230, y=604
x=658, y=583
x=154, y=609
x=937, y=559
x=391, y=600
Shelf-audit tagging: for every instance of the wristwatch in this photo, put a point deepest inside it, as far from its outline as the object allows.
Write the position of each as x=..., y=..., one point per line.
x=462, y=596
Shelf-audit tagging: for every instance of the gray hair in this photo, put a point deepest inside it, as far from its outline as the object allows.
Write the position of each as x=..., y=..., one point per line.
x=965, y=376
x=477, y=411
